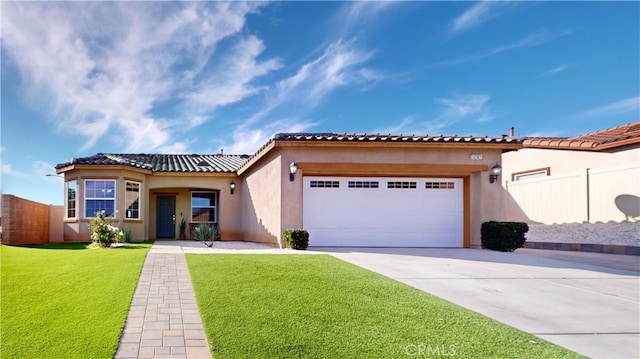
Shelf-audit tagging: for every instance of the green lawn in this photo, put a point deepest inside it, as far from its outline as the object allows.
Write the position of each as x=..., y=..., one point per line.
x=65, y=300
x=316, y=306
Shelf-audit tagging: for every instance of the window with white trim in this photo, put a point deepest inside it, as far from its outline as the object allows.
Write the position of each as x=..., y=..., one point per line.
x=132, y=200
x=99, y=195
x=537, y=173
x=70, y=200
x=203, y=206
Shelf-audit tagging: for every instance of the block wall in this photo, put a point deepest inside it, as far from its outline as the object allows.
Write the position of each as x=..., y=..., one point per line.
x=24, y=221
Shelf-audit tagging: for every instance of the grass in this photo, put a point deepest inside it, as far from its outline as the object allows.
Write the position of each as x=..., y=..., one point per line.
x=66, y=300
x=316, y=306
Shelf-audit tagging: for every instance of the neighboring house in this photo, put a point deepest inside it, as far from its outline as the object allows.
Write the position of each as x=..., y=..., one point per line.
x=346, y=190
x=588, y=178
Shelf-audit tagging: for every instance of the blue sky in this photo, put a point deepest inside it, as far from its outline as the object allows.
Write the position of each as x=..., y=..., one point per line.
x=80, y=78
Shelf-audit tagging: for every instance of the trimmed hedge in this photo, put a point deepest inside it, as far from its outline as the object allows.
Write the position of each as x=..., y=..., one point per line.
x=503, y=236
x=296, y=238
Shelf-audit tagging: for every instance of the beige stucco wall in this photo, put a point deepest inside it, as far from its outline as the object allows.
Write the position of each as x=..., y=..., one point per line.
x=228, y=205
x=584, y=186
x=261, y=201
x=565, y=161
x=486, y=200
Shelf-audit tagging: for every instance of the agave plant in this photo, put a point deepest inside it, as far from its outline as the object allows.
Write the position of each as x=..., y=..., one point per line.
x=207, y=233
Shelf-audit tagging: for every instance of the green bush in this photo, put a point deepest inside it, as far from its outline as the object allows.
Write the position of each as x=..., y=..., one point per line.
x=503, y=236
x=296, y=238
x=102, y=232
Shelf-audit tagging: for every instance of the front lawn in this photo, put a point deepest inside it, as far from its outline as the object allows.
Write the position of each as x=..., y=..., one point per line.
x=65, y=300
x=316, y=306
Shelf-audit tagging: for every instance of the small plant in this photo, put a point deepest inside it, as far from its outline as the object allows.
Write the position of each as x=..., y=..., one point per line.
x=183, y=228
x=503, y=236
x=102, y=232
x=208, y=233
x=126, y=238
x=296, y=238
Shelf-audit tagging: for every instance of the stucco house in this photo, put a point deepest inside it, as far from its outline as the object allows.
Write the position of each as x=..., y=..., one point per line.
x=345, y=189
x=593, y=177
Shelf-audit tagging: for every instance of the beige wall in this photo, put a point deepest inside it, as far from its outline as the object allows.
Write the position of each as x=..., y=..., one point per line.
x=56, y=220
x=486, y=200
x=261, y=201
x=584, y=186
x=565, y=161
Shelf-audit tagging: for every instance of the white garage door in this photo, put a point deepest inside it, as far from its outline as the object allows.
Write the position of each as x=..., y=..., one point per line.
x=383, y=212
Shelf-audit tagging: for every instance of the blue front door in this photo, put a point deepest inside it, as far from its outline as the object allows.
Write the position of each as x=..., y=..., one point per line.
x=166, y=217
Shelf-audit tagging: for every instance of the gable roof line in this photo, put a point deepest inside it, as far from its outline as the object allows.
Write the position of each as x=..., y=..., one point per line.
x=237, y=164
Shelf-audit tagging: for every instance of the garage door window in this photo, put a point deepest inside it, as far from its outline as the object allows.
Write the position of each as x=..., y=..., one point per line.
x=363, y=184
x=401, y=184
x=324, y=184
x=439, y=185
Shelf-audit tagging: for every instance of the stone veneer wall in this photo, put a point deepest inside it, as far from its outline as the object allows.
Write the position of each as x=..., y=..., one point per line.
x=24, y=221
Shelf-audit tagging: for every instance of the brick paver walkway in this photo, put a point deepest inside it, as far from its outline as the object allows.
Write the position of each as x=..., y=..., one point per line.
x=164, y=321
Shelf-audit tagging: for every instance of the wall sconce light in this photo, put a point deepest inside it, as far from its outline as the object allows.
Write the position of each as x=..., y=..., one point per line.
x=293, y=168
x=232, y=186
x=496, y=171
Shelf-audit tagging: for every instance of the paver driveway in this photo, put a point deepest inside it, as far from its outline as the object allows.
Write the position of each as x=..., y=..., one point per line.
x=584, y=303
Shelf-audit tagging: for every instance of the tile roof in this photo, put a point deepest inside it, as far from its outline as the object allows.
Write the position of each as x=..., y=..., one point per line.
x=379, y=137
x=165, y=162
x=596, y=141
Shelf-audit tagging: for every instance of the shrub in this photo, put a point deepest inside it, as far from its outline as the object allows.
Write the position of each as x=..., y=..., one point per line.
x=206, y=232
x=296, y=238
x=102, y=232
x=126, y=238
x=503, y=236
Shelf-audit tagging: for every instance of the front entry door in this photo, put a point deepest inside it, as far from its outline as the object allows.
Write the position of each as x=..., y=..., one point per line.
x=166, y=217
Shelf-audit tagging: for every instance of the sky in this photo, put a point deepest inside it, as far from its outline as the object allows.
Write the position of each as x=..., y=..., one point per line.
x=80, y=78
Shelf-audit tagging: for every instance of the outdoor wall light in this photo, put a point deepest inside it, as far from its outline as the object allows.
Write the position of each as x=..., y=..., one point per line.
x=495, y=173
x=232, y=186
x=293, y=168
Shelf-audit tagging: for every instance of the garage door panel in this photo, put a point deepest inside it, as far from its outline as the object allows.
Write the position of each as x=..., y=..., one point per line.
x=399, y=212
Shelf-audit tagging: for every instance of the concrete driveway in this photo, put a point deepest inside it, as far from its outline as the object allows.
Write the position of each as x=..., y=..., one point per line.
x=586, y=302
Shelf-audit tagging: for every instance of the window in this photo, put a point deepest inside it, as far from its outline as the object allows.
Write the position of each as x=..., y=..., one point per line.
x=71, y=199
x=99, y=195
x=439, y=185
x=203, y=206
x=324, y=184
x=132, y=200
x=363, y=184
x=401, y=184
x=539, y=172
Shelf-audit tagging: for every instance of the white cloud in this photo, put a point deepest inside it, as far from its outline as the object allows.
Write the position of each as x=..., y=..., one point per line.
x=477, y=15
x=472, y=107
x=466, y=107
x=340, y=65
x=531, y=40
x=403, y=126
x=249, y=140
x=8, y=170
x=557, y=69
x=616, y=108
x=103, y=66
